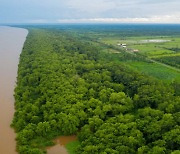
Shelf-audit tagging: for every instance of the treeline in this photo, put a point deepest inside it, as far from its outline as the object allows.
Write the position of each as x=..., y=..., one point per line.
x=65, y=87
x=170, y=60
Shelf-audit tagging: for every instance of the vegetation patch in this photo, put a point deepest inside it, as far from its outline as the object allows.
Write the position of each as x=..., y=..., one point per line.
x=170, y=60
x=67, y=85
x=72, y=147
x=156, y=70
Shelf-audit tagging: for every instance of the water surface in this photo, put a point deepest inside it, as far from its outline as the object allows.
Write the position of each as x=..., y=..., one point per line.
x=61, y=142
x=11, y=44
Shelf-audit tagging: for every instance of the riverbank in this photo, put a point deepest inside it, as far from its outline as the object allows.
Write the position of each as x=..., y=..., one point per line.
x=11, y=44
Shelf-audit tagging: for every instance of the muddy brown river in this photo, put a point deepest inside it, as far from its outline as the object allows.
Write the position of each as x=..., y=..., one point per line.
x=11, y=44
x=61, y=142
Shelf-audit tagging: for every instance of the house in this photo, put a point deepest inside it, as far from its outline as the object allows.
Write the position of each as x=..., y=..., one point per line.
x=122, y=45
x=135, y=50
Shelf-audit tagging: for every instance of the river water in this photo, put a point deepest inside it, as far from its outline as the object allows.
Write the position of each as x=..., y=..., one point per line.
x=11, y=44
x=61, y=142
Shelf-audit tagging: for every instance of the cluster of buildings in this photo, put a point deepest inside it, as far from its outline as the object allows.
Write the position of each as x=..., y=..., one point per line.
x=123, y=45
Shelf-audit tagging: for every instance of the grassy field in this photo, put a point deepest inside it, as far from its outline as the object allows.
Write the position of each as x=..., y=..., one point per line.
x=147, y=48
x=151, y=49
x=156, y=70
x=171, y=60
x=166, y=55
x=164, y=49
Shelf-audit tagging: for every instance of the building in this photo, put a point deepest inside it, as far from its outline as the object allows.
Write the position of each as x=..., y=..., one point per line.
x=135, y=50
x=122, y=45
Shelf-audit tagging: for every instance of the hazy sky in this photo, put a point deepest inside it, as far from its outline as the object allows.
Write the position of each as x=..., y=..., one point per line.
x=73, y=11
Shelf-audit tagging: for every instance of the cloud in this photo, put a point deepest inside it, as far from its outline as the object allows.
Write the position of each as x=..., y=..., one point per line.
x=49, y=11
x=121, y=8
x=38, y=21
x=152, y=19
x=91, y=6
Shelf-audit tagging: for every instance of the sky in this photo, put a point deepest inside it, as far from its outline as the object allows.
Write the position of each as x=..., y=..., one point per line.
x=89, y=11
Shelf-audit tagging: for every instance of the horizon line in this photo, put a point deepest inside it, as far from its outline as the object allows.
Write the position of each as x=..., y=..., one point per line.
x=89, y=23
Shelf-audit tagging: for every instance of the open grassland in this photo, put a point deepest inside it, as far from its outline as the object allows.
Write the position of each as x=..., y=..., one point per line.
x=171, y=60
x=160, y=52
x=146, y=46
x=158, y=48
x=156, y=70
x=164, y=49
x=151, y=49
x=166, y=55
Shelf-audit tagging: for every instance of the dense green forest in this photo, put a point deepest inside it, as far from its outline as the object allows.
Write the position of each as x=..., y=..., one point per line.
x=66, y=85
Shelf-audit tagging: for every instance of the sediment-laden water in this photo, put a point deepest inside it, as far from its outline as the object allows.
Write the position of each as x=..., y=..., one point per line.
x=11, y=44
x=59, y=148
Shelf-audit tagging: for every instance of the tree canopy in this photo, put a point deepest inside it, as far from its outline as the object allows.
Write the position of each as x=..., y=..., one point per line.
x=67, y=86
